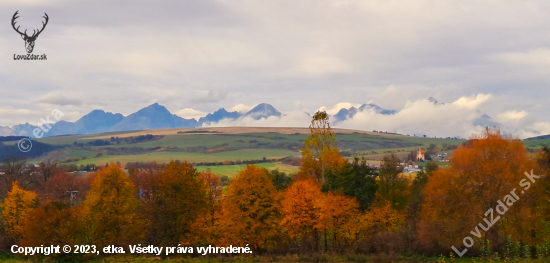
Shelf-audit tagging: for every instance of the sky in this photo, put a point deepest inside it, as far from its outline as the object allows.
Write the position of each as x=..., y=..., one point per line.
x=194, y=57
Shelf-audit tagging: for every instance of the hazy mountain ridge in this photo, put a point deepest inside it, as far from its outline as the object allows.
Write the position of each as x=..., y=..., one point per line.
x=346, y=114
x=156, y=116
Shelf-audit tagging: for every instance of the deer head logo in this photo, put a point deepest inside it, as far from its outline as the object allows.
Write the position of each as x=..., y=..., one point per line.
x=29, y=40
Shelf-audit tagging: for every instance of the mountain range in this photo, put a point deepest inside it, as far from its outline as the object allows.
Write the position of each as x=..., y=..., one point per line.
x=156, y=116
x=345, y=114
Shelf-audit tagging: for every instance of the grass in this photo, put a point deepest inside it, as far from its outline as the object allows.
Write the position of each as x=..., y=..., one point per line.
x=232, y=170
x=536, y=143
x=166, y=157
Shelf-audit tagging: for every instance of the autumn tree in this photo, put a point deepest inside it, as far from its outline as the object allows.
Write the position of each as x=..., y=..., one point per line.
x=380, y=218
x=15, y=169
x=380, y=228
x=485, y=173
x=177, y=199
x=111, y=209
x=60, y=186
x=48, y=225
x=321, y=152
x=300, y=209
x=203, y=227
x=47, y=170
x=393, y=187
x=338, y=220
x=249, y=211
x=15, y=210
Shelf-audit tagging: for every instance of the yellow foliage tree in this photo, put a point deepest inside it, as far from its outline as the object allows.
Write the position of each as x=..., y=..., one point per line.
x=321, y=152
x=15, y=210
x=249, y=211
x=111, y=209
x=339, y=219
x=381, y=217
x=203, y=228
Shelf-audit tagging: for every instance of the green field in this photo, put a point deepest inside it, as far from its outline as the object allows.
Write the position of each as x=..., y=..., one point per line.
x=215, y=145
x=536, y=143
x=218, y=147
x=166, y=157
x=232, y=170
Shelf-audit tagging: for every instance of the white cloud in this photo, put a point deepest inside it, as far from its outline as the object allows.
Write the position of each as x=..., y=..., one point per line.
x=241, y=108
x=60, y=98
x=512, y=115
x=291, y=119
x=191, y=113
x=417, y=117
x=473, y=101
x=339, y=106
x=459, y=118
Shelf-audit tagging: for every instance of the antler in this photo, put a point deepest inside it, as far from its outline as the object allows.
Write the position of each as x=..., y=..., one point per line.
x=43, y=25
x=13, y=23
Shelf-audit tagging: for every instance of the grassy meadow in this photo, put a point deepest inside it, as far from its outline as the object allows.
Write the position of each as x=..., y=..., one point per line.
x=218, y=145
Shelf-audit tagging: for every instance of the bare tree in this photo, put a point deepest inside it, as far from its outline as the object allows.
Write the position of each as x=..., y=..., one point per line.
x=47, y=170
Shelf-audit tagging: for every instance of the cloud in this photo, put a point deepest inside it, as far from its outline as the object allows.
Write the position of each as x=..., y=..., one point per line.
x=473, y=101
x=59, y=98
x=290, y=119
x=339, y=106
x=191, y=113
x=207, y=54
x=460, y=118
x=241, y=108
x=512, y=115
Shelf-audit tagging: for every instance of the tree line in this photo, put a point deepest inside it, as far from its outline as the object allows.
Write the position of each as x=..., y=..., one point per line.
x=332, y=205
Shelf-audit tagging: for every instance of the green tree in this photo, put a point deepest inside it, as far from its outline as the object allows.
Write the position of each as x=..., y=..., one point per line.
x=354, y=180
x=392, y=185
x=279, y=179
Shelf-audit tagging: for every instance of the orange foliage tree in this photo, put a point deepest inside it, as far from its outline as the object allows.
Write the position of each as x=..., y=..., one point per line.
x=485, y=173
x=49, y=224
x=338, y=219
x=300, y=209
x=249, y=211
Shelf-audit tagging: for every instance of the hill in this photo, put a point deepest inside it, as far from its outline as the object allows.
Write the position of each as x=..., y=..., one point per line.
x=220, y=144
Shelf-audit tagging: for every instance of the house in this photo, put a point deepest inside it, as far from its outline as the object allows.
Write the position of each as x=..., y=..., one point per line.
x=411, y=169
